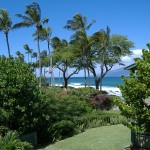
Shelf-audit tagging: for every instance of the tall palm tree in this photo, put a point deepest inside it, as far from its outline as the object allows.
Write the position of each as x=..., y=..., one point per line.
x=5, y=25
x=34, y=64
x=28, y=51
x=32, y=17
x=34, y=55
x=45, y=35
x=80, y=26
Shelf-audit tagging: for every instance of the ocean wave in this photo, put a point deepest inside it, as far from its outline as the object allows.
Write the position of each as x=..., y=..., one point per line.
x=75, y=84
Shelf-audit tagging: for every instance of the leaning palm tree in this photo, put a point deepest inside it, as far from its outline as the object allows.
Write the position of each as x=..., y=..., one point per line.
x=32, y=17
x=5, y=25
x=80, y=26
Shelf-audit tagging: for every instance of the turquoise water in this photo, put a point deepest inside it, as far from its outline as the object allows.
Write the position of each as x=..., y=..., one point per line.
x=79, y=81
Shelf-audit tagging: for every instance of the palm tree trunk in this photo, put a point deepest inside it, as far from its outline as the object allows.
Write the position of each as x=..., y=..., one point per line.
x=7, y=44
x=88, y=79
x=28, y=57
x=50, y=64
x=40, y=68
x=85, y=76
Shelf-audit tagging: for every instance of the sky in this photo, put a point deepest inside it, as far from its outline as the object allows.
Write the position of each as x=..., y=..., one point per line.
x=125, y=17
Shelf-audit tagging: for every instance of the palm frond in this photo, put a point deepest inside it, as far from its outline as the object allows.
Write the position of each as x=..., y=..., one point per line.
x=90, y=24
x=22, y=24
x=5, y=20
x=45, y=20
x=24, y=17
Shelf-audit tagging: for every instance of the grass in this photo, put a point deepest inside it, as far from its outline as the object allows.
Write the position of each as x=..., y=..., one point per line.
x=115, y=137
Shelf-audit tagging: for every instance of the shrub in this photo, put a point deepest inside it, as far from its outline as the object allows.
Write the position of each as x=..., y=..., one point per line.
x=21, y=98
x=63, y=129
x=11, y=141
x=62, y=111
x=136, y=90
x=99, y=118
x=85, y=93
x=101, y=101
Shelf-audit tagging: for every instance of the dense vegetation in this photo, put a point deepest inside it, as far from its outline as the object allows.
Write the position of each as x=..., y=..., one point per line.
x=54, y=113
x=136, y=91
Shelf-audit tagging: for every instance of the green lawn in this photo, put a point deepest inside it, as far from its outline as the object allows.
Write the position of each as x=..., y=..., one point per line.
x=115, y=137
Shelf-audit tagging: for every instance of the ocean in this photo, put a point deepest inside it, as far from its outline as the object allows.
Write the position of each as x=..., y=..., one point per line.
x=109, y=84
x=79, y=81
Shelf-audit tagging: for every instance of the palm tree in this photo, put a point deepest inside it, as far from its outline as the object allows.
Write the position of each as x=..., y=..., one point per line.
x=45, y=35
x=32, y=17
x=5, y=25
x=28, y=51
x=34, y=55
x=44, y=59
x=34, y=64
x=20, y=56
x=80, y=26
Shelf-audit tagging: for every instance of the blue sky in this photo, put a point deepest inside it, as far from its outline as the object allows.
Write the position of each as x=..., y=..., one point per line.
x=125, y=17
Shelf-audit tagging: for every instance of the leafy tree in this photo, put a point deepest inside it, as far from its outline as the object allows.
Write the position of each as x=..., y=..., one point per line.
x=64, y=56
x=22, y=98
x=136, y=93
x=107, y=51
x=5, y=25
x=80, y=26
x=33, y=17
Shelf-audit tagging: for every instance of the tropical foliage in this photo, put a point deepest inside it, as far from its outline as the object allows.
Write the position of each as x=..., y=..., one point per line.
x=65, y=57
x=20, y=97
x=32, y=17
x=5, y=25
x=11, y=141
x=136, y=92
x=107, y=50
x=55, y=113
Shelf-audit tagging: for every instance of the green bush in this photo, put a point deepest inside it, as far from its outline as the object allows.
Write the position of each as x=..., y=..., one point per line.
x=136, y=92
x=21, y=98
x=11, y=141
x=62, y=111
x=85, y=93
x=99, y=118
x=63, y=129
x=4, y=118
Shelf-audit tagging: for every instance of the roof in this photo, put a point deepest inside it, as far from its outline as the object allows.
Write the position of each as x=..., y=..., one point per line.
x=130, y=67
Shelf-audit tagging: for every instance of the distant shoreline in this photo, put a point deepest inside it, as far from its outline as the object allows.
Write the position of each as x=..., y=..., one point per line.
x=111, y=90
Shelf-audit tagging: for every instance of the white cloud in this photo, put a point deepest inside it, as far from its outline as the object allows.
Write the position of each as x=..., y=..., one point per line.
x=127, y=60
x=137, y=52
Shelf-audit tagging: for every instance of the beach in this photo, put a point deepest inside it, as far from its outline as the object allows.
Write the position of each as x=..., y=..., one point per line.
x=109, y=84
